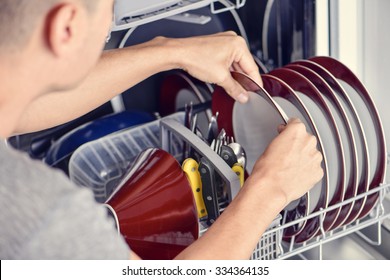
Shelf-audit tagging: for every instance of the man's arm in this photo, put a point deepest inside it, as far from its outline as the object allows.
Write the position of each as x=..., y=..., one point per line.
x=208, y=58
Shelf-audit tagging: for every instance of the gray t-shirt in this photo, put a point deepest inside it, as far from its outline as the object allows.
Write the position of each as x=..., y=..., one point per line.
x=44, y=216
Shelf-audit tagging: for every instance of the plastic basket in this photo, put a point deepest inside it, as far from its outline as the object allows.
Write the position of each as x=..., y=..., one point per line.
x=268, y=247
x=100, y=164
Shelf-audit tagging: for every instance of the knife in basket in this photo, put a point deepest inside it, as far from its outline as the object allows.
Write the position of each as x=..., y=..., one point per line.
x=228, y=155
x=191, y=169
x=207, y=174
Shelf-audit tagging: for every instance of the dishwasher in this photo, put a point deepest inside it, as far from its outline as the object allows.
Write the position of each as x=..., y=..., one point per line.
x=280, y=34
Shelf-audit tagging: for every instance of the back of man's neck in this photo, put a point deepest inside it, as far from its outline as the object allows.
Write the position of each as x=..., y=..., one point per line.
x=13, y=100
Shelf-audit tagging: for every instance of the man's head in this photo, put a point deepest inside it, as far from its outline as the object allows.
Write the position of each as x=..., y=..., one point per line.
x=64, y=37
x=18, y=18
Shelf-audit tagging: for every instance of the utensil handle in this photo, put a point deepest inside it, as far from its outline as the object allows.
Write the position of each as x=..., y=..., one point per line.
x=210, y=197
x=228, y=155
x=239, y=170
x=191, y=168
x=169, y=127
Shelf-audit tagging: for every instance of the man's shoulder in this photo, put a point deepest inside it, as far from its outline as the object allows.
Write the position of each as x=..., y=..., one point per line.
x=18, y=172
x=46, y=216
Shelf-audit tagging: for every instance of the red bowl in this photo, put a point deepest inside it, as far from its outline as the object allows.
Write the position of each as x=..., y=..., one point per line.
x=155, y=208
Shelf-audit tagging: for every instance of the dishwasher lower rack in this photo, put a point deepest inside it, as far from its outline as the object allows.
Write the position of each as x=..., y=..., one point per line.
x=98, y=165
x=379, y=214
x=268, y=247
x=271, y=246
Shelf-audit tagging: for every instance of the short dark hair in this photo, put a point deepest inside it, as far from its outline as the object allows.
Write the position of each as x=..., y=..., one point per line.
x=18, y=17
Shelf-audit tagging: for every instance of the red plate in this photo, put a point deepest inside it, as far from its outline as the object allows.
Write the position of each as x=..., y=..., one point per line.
x=372, y=124
x=179, y=90
x=348, y=141
x=360, y=138
x=317, y=197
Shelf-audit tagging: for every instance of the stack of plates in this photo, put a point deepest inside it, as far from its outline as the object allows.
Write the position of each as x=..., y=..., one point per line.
x=338, y=110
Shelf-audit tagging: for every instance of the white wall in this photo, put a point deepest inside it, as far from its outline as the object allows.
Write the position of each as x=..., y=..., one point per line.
x=361, y=40
x=376, y=57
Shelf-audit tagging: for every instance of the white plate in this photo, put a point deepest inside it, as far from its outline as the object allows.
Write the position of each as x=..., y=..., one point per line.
x=255, y=125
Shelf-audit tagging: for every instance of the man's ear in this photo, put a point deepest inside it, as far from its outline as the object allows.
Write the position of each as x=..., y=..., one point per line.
x=65, y=26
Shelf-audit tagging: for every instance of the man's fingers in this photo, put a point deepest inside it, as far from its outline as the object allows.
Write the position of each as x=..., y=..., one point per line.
x=249, y=67
x=226, y=33
x=236, y=67
x=281, y=128
x=234, y=89
x=245, y=63
x=294, y=120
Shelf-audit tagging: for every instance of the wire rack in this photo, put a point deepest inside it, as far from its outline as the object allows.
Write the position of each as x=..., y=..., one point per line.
x=268, y=247
x=378, y=214
x=122, y=22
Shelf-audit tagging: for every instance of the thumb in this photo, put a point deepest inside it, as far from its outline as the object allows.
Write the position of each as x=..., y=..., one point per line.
x=281, y=128
x=234, y=89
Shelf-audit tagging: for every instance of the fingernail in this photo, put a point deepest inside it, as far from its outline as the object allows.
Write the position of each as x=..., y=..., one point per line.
x=242, y=98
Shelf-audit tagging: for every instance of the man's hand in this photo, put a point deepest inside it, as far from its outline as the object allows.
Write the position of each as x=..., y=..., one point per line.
x=211, y=58
x=292, y=162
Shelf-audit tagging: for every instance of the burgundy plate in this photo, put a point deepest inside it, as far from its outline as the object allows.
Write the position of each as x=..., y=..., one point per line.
x=317, y=196
x=372, y=124
x=154, y=207
x=331, y=141
x=179, y=89
x=360, y=138
x=348, y=141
